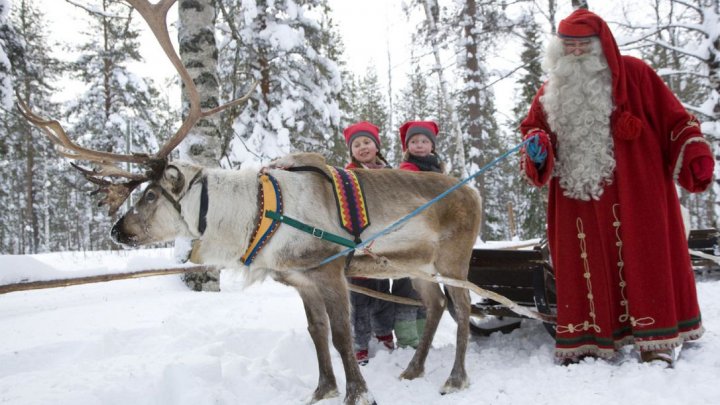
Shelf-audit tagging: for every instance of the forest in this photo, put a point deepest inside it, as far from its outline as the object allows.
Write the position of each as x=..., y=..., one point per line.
x=307, y=93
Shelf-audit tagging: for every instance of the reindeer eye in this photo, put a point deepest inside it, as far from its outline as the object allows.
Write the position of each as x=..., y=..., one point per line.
x=150, y=196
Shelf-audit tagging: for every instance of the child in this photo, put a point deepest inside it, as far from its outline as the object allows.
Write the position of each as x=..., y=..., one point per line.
x=368, y=314
x=418, y=145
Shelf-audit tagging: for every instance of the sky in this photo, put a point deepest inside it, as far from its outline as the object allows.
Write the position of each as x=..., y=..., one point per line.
x=369, y=29
x=151, y=341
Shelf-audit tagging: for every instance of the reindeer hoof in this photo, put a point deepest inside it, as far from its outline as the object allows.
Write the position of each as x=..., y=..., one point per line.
x=361, y=399
x=321, y=394
x=454, y=385
x=411, y=373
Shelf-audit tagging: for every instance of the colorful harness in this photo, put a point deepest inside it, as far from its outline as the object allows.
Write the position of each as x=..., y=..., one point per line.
x=350, y=201
x=349, y=197
x=269, y=200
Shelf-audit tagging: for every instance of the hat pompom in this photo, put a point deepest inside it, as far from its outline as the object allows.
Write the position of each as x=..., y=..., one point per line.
x=628, y=126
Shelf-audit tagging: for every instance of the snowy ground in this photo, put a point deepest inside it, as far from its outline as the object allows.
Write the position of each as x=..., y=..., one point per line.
x=152, y=341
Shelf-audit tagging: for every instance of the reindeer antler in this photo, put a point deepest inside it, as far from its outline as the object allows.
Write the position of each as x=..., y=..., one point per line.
x=155, y=15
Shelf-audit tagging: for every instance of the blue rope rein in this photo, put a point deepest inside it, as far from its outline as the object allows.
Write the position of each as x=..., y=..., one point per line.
x=423, y=207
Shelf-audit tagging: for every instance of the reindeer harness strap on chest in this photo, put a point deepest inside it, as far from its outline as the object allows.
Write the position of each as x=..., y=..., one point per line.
x=269, y=200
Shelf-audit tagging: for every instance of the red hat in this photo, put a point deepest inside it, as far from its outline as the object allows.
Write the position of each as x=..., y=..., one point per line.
x=362, y=128
x=412, y=128
x=583, y=23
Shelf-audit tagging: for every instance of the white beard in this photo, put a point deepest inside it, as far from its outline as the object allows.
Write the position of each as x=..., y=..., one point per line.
x=578, y=103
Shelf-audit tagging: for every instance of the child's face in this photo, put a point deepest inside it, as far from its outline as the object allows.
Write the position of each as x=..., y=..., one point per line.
x=363, y=149
x=420, y=145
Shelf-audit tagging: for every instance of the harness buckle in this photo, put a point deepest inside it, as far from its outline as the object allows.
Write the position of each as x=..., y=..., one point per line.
x=318, y=233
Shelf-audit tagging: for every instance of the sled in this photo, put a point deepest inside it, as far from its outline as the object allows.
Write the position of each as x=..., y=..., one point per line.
x=527, y=278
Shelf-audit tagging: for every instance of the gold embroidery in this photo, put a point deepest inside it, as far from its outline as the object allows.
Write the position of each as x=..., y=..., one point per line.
x=693, y=122
x=586, y=325
x=621, y=265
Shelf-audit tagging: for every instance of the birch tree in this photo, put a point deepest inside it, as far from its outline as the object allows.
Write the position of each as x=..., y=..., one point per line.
x=199, y=54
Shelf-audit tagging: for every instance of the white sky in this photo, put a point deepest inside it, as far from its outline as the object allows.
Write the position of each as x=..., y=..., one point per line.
x=368, y=28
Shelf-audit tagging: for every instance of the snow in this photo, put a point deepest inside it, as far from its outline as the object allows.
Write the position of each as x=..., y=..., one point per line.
x=153, y=341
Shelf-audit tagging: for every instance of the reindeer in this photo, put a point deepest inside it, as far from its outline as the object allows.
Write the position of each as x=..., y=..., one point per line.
x=221, y=209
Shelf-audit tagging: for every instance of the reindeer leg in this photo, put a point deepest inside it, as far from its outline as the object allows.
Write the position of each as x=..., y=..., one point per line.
x=318, y=328
x=434, y=301
x=335, y=292
x=458, y=376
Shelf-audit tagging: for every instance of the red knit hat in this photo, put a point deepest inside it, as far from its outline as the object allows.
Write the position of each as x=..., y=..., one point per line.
x=412, y=128
x=362, y=128
x=583, y=23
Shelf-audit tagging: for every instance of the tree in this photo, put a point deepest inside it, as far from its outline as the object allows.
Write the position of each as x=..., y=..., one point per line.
x=28, y=162
x=199, y=53
x=116, y=111
x=482, y=24
x=683, y=44
x=432, y=36
x=529, y=201
x=282, y=47
x=419, y=101
x=8, y=44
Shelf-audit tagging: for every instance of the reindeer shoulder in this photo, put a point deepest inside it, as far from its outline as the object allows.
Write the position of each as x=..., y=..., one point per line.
x=300, y=159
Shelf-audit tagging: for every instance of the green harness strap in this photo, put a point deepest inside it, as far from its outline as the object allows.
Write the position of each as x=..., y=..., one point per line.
x=318, y=233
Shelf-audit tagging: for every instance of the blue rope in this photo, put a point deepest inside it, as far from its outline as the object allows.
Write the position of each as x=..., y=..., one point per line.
x=427, y=204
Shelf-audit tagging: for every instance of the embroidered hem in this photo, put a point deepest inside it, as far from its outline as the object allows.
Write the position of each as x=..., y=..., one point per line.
x=640, y=345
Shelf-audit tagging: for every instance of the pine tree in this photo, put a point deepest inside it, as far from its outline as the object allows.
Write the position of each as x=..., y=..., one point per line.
x=421, y=99
x=28, y=160
x=9, y=45
x=296, y=106
x=482, y=23
x=529, y=201
x=116, y=111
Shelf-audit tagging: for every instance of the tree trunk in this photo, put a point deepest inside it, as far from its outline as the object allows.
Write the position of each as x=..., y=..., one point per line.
x=199, y=54
x=203, y=145
x=454, y=124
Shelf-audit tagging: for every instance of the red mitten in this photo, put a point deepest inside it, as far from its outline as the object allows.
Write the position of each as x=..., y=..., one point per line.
x=702, y=169
x=697, y=171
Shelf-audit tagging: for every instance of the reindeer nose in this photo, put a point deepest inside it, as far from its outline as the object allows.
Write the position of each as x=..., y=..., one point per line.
x=119, y=236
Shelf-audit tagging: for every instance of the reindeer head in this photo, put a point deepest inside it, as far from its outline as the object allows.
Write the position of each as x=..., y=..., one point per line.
x=161, y=213
x=157, y=170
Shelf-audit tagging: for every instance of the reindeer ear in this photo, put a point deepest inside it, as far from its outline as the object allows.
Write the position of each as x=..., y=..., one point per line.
x=174, y=176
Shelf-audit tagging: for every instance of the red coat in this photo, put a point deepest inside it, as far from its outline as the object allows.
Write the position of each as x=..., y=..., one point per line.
x=412, y=167
x=622, y=266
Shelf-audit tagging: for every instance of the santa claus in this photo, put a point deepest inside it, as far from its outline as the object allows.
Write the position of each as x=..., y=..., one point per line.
x=610, y=139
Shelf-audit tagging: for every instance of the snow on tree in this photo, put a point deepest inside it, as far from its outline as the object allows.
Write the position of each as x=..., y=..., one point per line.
x=7, y=38
x=282, y=46
x=198, y=51
x=117, y=111
x=683, y=45
x=529, y=201
x=29, y=219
